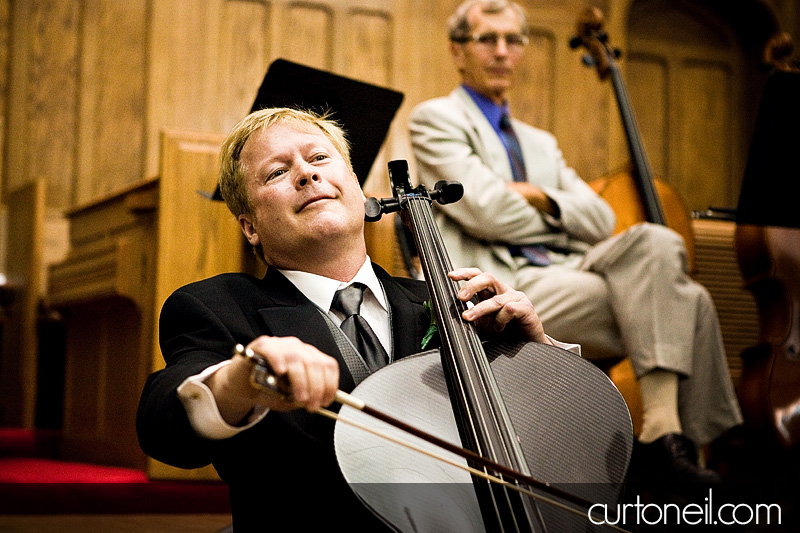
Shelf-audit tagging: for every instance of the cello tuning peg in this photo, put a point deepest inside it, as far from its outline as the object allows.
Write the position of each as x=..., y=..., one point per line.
x=447, y=192
x=372, y=210
x=617, y=53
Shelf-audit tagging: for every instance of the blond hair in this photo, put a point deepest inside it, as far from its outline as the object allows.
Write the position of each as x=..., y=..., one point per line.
x=232, y=184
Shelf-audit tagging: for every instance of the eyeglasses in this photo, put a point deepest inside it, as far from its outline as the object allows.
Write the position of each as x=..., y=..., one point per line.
x=490, y=40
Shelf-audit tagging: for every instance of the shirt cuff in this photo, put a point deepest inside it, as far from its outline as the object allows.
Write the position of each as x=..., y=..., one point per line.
x=574, y=348
x=201, y=407
x=552, y=221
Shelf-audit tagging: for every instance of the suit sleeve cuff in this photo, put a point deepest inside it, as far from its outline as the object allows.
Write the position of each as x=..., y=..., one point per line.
x=201, y=408
x=574, y=348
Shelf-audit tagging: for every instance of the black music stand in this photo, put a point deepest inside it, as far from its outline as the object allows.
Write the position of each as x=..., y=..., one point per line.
x=768, y=196
x=365, y=111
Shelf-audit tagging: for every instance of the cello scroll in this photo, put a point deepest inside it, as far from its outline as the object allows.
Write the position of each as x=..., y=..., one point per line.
x=635, y=196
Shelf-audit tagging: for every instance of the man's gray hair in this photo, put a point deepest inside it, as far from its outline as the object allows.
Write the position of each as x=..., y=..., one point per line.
x=458, y=27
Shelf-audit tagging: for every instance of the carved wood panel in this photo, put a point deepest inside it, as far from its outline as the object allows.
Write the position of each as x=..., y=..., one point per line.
x=243, y=58
x=42, y=137
x=686, y=84
x=5, y=49
x=111, y=117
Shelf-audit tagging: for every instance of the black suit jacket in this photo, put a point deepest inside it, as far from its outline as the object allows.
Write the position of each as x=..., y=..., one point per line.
x=287, y=459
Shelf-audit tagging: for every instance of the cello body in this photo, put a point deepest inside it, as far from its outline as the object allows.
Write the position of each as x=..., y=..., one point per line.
x=573, y=424
x=769, y=388
x=538, y=410
x=621, y=192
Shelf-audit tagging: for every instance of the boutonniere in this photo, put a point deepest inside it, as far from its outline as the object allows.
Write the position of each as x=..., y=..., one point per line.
x=433, y=329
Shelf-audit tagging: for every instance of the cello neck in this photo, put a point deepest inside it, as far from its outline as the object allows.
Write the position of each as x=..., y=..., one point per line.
x=641, y=165
x=484, y=423
x=603, y=57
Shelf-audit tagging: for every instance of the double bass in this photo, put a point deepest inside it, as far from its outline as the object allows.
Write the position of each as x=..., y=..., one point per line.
x=768, y=251
x=636, y=195
x=538, y=412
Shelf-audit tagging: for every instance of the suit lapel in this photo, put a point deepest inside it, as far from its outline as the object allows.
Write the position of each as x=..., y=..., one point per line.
x=409, y=319
x=288, y=308
x=485, y=140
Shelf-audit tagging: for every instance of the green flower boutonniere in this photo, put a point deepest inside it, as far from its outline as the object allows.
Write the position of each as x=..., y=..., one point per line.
x=433, y=329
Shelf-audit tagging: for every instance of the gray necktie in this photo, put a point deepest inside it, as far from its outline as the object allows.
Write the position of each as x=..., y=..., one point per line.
x=348, y=302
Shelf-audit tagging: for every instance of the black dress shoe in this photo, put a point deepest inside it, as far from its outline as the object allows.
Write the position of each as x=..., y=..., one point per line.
x=670, y=459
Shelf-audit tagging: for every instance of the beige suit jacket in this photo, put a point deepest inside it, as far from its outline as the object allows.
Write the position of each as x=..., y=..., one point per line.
x=452, y=140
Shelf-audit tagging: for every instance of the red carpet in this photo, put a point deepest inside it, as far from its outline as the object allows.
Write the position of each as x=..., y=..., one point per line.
x=33, y=482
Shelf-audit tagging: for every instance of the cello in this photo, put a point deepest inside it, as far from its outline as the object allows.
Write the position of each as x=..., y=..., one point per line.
x=539, y=412
x=767, y=242
x=635, y=196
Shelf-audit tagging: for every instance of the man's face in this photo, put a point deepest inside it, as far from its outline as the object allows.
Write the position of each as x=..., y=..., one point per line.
x=490, y=66
x=305, y=198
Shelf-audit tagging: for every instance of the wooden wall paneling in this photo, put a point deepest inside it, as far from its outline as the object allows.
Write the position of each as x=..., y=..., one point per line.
x=49, y=126
x=425, y=50
x=704, y=136
x=307, y=34
x=367, y=44
x=691, y=125
x=534, y=101
x=184, y=43
x=19, y=363
x=111, y=124
x=5, y=52
x=566, y=97
x=243, y=58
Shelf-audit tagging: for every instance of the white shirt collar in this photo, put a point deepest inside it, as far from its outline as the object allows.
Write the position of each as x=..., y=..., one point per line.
x=320, y=290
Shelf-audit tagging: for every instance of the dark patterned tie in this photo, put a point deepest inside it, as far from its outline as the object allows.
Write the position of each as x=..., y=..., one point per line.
x=348, y=302
x=536, y=254
x=513, y=148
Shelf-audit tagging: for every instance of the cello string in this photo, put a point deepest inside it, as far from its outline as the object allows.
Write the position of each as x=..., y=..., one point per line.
x=481, y=379
x=436, y=265
x=478, y=472
x=421, y=218
x=497, y=416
